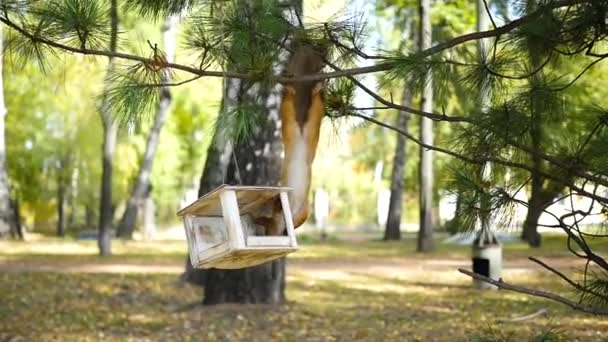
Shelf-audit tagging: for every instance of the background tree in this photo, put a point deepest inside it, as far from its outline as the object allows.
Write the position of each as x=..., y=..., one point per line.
x=110, y=129
x=142, y=181
x=393, y=223
x=247, y=157
x=425, y=233
x=542, y=191
x=8, y=223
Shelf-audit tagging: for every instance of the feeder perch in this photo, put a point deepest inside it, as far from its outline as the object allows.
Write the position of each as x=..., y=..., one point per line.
x=221, y=232
x=487, y=258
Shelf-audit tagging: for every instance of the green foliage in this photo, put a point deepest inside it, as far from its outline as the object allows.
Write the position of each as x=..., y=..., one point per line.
x=134, y=92
x=52, y=130
x=238, y=124
x=597, y=296
x=79, y=23
x=158, y=8
x=26, y=50
x=239, y=36
x=339, y=98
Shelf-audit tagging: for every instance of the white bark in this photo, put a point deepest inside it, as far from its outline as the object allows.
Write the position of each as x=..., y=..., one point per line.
x=7, y=217
x=149, y=221
x=425, y=234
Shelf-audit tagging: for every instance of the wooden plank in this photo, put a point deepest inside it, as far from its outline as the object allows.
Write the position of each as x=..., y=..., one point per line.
x=245, y=258
x=192, y=249
x=208, y=204
x=230, y=211
x=268, y=241
x=209, y=197
x=291, y=232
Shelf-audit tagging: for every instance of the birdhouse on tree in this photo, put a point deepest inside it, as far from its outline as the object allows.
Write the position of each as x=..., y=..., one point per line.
x=221, y=231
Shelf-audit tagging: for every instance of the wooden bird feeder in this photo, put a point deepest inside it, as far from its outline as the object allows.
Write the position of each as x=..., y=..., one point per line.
x=221, y=232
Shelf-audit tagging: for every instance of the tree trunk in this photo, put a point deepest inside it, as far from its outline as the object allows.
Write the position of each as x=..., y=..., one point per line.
x=453, y=226
x=73, y=196
x=138, y=194
x=393, y=223
x=149, y=217
x=530, y=232
x=264, y=283
x=60, y=209
x=18, y=231
x=89, y=217
x=7, y=218
x=106, y=214
x=256, y=161
x=238, y=165
x=482, y=102
x=425, y=233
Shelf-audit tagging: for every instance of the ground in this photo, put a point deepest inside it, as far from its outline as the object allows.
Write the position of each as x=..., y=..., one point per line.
x=364, y=290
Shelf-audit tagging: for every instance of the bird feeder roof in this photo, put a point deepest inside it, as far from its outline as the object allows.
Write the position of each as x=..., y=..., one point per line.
x=249, y=198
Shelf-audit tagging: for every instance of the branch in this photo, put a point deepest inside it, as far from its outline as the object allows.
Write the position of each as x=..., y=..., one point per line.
x=536, y=293
x=442, y=117
x=451, y=43
x=568, y=280
x=481, y=161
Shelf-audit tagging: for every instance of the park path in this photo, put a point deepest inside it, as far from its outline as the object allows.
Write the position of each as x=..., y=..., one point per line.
x=317, y=267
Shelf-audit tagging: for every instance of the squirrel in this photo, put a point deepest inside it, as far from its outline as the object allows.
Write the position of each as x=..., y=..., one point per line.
x=302, y=110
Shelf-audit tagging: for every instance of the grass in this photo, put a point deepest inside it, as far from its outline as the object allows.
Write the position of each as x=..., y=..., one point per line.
x=326, y=302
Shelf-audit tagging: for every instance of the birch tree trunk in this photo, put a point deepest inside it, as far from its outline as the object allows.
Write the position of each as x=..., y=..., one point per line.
x=73, y=195
x=255, y=161
x=149, y=216
x=8, y=224
x=252, y=162
x=425, y=232
x=110, y=130
x=138, y=193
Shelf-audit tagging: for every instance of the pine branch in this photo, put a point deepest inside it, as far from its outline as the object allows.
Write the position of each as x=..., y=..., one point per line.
x=443, y=117
x=320, y=76
x=536, y=293
x=568, y=280
x=121, y=55
x=482, y=160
